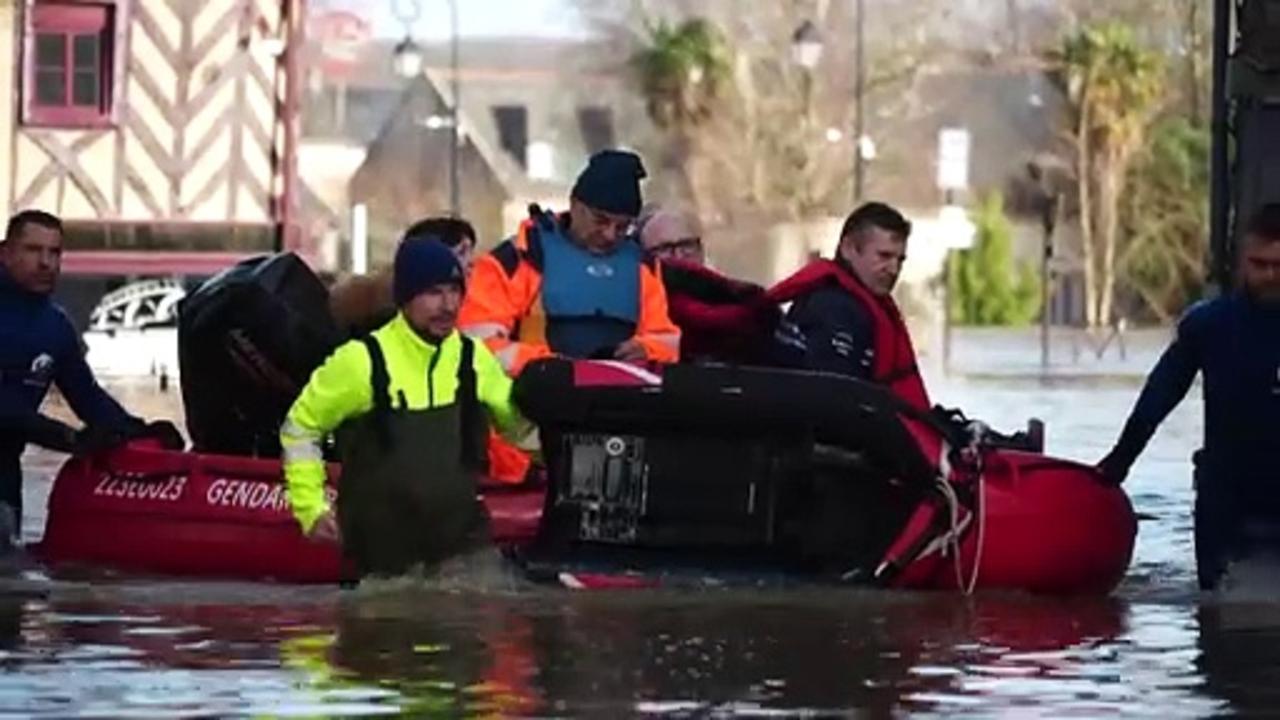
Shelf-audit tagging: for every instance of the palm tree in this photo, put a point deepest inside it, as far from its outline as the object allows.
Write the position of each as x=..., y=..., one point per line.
x=682, y=71
x=1114, y=86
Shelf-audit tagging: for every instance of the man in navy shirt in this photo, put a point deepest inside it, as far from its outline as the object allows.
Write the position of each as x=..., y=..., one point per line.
x=39, y=346
x=829, y=329
x=1234, y=341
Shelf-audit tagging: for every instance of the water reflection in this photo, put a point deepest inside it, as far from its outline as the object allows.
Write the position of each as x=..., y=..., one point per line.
x=616, y=654
x=437, y=654
x=428, y=652
x=146, y=648
x=1239, y=656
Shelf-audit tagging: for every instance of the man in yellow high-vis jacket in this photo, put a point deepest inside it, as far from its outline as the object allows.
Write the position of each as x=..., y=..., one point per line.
x=406, y=405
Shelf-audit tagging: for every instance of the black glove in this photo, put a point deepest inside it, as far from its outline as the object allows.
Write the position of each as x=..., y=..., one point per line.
x=166, y=433
x=952, y=417
x=1115, y=467
x=97, y=438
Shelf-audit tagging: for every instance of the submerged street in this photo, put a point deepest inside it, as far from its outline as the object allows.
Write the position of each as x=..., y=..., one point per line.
x=477, y=644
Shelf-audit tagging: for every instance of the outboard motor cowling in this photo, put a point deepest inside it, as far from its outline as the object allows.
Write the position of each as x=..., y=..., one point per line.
x=248, y=340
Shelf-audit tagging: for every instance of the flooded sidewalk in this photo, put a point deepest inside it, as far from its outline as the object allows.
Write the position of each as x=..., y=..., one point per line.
x=117, y=646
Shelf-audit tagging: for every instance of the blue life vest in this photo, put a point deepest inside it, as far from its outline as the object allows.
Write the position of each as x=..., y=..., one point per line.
x=592, y=302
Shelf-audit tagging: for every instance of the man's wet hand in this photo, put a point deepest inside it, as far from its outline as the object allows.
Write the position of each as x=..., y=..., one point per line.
x=97, y=438
x=326, y=529
x=166, y=433
x=630, y=351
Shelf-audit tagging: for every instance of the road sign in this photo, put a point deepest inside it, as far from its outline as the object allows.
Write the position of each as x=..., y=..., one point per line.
x=339, y=36
x=955, y=228
x=953, y=159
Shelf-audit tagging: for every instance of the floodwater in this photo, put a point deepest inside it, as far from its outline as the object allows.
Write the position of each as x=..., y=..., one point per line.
x=139, y=647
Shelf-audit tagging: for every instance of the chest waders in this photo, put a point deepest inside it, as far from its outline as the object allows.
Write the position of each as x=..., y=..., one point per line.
x=409, y=492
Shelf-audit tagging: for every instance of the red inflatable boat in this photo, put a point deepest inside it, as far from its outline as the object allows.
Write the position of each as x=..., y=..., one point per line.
x=146, y=510
x=717, y=466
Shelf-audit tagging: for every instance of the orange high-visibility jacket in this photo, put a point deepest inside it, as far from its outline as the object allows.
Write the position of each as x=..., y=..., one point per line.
x=503, y=305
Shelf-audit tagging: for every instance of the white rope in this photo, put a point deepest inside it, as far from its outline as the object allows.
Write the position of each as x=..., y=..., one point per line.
x=635, y=371
x=977, y=432
x=952, y=540
x=571, y=581
x=982, y=528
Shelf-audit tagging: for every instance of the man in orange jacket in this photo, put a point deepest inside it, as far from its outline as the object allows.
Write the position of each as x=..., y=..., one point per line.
x=574, y=284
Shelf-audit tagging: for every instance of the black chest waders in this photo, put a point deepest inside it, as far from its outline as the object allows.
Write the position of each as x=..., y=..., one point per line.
x=409, y=493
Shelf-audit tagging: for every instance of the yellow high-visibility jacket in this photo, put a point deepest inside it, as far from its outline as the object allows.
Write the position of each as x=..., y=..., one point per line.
x=425, y=375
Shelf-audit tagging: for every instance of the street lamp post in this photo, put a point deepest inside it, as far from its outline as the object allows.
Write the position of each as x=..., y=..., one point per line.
x=956, y=230
x=806, y=51
x=806, y=45
x=409, y=63
x=1047, y=179
x=406, y=59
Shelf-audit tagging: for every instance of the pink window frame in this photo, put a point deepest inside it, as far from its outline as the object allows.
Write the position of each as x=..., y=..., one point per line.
x=70, y=17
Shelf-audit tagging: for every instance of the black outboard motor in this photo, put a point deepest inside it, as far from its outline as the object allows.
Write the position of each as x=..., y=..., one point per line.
x=669, y=490
x=718, y=466
x=248, y=340
x=744, y=502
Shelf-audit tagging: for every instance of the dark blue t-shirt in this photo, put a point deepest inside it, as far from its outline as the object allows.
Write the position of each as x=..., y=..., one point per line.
x=39, y=347
x=827, y=330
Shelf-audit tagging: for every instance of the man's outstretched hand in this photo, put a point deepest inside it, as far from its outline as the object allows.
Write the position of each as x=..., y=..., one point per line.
x=98, y=438
x=166, y=433
x=630, y=351
x=326, y=529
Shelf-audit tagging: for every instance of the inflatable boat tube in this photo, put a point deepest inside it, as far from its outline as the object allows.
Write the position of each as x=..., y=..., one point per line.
x=724, y=470
x=810, y=474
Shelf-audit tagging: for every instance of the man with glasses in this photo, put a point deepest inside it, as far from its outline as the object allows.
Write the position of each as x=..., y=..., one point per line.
x=574, y=284
x=673, y=235
x=720, y=319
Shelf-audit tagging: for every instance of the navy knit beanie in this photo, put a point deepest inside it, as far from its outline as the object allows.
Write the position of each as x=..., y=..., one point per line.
x=422, y=262
x=611, y=182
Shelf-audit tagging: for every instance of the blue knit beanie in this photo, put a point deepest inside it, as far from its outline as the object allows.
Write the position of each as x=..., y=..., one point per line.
x=611, y=182
x=422, y=262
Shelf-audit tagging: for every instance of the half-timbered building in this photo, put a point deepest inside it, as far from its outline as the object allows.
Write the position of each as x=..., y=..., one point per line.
x=161, y=131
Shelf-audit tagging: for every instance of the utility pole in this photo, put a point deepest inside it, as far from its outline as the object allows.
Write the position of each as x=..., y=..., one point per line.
x=1015, y=27
x=455, y=186
x=288, y=233
x=859, y=91
x=1049, y=221
x=1220, y=171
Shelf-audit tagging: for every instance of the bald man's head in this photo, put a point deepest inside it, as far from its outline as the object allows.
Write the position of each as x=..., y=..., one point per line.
x=671, y=234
